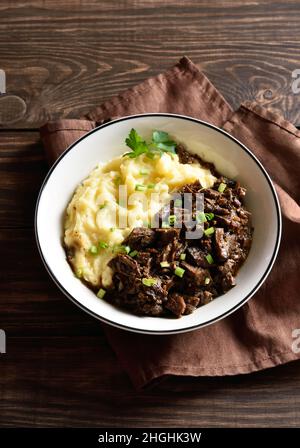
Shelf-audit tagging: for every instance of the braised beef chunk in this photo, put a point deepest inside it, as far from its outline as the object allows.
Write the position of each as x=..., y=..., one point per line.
x=140, y=237
x=197, y=256
x=176, y=304
x=166, y=236
x=221, y=245
x=169, y=274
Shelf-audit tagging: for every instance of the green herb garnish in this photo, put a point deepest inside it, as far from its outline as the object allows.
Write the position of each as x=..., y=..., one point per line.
x=209, y=216
x=149, y=281
x=183, y=257
x=160, y=143
x=101, y=293
x=209, y=259
x=222, y=187
x=179, y=272
x=172, y=219
x=102, y=245
x=209, y=231
x=93, y=250
x=137, y=145
x=164, y=264
x=134, y=253
x=140, y=187
x=79, y=273
x=201, y=217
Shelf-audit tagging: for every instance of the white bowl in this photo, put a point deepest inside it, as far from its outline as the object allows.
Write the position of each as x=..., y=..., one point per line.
x=230, y=157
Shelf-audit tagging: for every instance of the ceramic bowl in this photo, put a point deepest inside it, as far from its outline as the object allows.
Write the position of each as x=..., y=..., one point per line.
x=230, y=157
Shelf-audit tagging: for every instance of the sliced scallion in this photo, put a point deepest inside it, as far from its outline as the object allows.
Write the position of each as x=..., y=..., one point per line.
x=172, y=219
x=101, y=293
x=222, y=187
x=93, y=250
x=182, y=256
x=179, y=272
x=209, y=231
x=140, y=187
x=209, y=216
x=209, y=259
x=133, y=253
x=149, y=281
x=201, y=217
x=102, y=245
x=164, y=264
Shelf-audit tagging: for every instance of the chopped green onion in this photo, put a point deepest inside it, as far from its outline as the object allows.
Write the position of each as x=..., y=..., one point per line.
x=133, y=253
x=140, y=187
x=126, y=249
x=209, y=216
x=144, y=172
x=172, y=219
x=165, y=225
x=207, y=280
x=222, y=187
x=209, y=259
x=179, y=272
x=103, y=205
x=150, y=186
x=209, y=231
x=79, y=273
x=149, y=281
x=182, y=256
x=102, y=245
x=164, y=264
x=112, y=229
x=101, y=293
x=94, y=250
x=178, y=203
x=201, y=217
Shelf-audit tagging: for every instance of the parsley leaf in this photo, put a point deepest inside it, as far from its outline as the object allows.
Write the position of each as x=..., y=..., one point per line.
x=160, y=143
x=136, y=144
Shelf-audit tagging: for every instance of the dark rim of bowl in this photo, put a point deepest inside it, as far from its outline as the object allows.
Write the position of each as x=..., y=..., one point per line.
x=194, y=327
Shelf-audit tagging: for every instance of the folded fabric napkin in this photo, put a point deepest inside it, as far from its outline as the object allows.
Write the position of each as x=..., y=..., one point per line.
x=260, y=334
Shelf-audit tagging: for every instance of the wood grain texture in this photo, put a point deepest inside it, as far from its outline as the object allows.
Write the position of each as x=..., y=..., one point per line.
x=64, y=58
x=77, y=381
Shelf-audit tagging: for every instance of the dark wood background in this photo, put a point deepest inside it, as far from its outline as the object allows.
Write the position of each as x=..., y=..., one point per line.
x=62, y=58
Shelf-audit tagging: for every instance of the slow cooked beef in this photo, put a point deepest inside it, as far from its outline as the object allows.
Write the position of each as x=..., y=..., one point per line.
x=166, y=273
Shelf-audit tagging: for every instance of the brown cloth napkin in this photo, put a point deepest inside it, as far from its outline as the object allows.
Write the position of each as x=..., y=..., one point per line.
x=260, y=334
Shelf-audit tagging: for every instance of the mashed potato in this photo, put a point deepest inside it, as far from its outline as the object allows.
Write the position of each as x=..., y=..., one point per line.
x=98, y=219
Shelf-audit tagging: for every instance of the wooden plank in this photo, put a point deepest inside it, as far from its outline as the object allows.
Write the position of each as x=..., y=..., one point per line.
x=22, y=169
x=63, y=58
x=77, y=381
x=30, y=303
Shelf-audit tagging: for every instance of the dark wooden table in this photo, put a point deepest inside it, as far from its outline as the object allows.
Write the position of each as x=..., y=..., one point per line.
x=62, y=58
